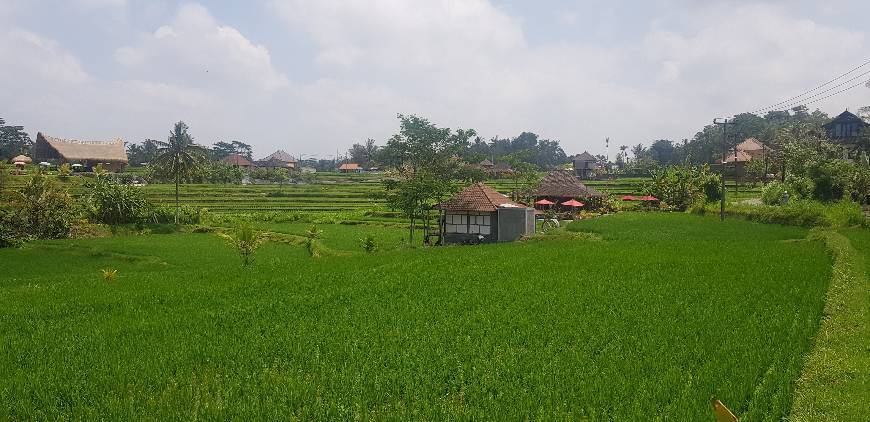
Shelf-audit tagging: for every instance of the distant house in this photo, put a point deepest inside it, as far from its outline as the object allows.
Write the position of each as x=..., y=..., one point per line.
x=563, y=185
x=748, y=150
x=845, y=128
x=237, y=161
x=479, y=214
x=278, y=159
x=111, y=154
x=485, y=164
x=350, y=168
x=500, y=170
x=585, y=165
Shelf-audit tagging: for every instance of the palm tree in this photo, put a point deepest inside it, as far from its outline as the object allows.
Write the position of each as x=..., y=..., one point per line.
x=179, y=158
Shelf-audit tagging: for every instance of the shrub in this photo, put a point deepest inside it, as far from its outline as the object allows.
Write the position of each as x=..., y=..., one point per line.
x=772, y=193
x=681, y=186
x=43, y=211
x=64, y=171
x=805, y=213
x=9, y=236
x=369, y=244
x=311, y=241
x=113, y=203
x=245, y=240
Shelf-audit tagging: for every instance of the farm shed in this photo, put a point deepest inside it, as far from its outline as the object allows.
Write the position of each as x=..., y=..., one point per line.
x=110, y=154
x=479, y=214
x=562, y=185
x=584, y=165
x=350, y=168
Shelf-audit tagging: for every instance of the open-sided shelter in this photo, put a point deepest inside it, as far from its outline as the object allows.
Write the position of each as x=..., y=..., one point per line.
x=563, y=185
x=479, y=214
x=111, y=154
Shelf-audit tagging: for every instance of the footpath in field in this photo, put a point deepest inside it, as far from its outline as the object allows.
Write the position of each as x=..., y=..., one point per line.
x=660, y=314
x=835, y=384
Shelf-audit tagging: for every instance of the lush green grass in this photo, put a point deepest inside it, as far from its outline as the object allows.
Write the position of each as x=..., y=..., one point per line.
x=835, y=384
x=665, y=311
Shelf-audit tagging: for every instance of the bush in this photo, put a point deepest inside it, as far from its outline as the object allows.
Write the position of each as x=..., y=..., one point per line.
x=41, y=210
x=805, y=213
x=9, y=236
x=245, y=240
x=678, y=187
x=113, y=203
x=369, y=244
x=772, y=193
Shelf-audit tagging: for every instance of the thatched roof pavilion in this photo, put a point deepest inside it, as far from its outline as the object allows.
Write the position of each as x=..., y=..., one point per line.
x=21, y=159
x=111, y=154
x=564, y=184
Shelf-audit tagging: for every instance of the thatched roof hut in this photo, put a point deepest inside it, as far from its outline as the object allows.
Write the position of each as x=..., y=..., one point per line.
x=564, y=184
x=111, y=154
x=22, y=159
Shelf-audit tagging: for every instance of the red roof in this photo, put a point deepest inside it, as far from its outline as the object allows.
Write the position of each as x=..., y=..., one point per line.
x=349, y=166
x=236, y=160
x=477, y=197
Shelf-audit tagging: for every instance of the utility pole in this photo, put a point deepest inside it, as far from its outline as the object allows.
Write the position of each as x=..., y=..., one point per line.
x=724, y=123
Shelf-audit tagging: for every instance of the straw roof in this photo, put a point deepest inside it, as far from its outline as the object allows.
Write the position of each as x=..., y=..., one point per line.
x=585, y=156
x=565, y=184
x=477, y=198
x=236, y=160
x=486, y=163
x=22, y=159
x=73, y=149
x=280, y=155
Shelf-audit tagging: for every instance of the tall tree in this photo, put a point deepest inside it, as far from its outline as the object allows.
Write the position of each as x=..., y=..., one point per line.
x=424, y=158
x=179, y=158
x=13, y=141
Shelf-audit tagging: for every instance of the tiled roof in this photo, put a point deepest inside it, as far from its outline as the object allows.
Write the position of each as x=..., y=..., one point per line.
x=477, y=198
x=740, y=157
x=236, y=160
x=750, y=144
x=349, y=166
x=565, y=184
x=73, y=149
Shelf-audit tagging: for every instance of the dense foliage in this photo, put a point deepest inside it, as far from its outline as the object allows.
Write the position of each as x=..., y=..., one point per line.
x=41, y=210
x=110, y=202
x=679, y=187
x=13, y=141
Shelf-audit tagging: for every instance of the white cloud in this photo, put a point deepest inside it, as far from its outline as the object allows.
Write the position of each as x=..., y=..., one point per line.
x=97, y=4
x=195, y=50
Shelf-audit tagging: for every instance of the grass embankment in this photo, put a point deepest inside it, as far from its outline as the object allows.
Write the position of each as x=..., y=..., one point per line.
x=662, y=313
x=835, y=384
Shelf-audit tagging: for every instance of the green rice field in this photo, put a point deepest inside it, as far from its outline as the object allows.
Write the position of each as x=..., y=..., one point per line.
x=625, y=317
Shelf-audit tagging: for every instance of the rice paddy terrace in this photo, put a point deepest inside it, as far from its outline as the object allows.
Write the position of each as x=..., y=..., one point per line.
x=328, y=192
x=627, y=317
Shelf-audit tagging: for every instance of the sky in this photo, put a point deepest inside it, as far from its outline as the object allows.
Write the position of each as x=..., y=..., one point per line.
x=313, y=77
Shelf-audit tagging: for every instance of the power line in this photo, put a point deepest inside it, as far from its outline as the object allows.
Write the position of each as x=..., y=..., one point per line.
x=804, y=100
x=839, y=92
x=814, y=89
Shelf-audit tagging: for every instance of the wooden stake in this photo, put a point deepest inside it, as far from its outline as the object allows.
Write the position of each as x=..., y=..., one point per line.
x=722, y=413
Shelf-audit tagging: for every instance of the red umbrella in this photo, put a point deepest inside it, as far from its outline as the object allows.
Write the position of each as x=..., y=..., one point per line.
x=648, y=198
x=544, y=202
x=629, y=198
x=573, y=203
